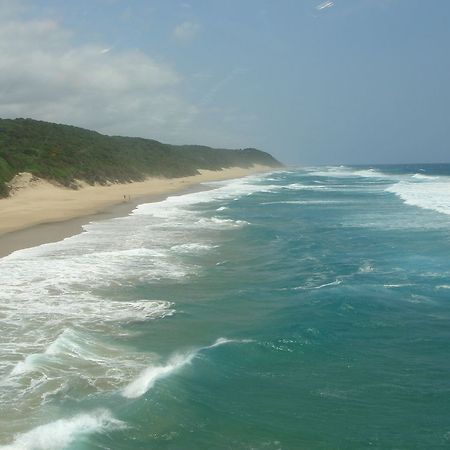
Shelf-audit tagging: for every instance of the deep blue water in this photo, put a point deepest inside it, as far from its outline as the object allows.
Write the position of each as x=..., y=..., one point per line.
x=300, y=309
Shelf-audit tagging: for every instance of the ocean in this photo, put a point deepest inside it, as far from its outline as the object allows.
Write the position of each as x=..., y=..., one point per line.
x=304, y=308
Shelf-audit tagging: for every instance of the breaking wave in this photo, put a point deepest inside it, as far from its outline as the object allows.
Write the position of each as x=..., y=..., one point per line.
x=61, y=433
x=148, y=377
x=433, y=195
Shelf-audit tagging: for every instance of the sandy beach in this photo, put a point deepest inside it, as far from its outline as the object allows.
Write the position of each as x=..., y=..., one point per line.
x=39, y=212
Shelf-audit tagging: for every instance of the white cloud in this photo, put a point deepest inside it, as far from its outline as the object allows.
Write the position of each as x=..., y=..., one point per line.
x=10, y=8
x=186, y=31
x=44, y=76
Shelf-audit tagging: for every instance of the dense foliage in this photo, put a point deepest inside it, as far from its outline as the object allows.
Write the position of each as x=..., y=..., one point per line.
x=64, y=153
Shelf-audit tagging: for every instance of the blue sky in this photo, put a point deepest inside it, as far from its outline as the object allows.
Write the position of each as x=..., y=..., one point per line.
x=313, y=82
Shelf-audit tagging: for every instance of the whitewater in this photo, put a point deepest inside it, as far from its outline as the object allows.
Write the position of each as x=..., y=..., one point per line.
x=301, y=308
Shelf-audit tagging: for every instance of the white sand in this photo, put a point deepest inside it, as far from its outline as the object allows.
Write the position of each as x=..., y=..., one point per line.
x=36, y=201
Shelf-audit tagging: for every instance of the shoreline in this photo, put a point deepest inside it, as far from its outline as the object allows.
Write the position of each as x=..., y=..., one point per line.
x=25, y=229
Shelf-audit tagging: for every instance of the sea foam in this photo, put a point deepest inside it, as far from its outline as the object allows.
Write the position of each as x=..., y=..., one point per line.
x=434, y=195
x=61, y=433
x=344, y=172
x=69, y=345
x=320, y=286
x=68, y=299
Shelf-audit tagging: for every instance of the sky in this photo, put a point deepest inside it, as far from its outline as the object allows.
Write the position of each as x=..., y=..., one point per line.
x=310, y=81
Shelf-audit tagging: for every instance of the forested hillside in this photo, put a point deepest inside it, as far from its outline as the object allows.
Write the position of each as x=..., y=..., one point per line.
x=65, y=153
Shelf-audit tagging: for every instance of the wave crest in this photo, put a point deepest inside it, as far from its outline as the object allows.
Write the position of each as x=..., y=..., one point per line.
x=59, y=434
x=148, y=377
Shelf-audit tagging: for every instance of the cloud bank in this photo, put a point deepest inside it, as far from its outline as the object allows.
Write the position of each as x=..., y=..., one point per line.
x=44, y=75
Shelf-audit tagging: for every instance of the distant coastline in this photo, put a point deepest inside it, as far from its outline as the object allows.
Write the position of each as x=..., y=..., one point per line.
x=69, y=155
x=53, y=173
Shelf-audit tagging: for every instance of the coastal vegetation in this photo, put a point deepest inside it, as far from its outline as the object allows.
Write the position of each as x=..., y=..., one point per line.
x=64, y=153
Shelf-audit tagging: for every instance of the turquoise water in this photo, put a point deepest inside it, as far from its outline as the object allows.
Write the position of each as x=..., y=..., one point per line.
x=301, y=309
